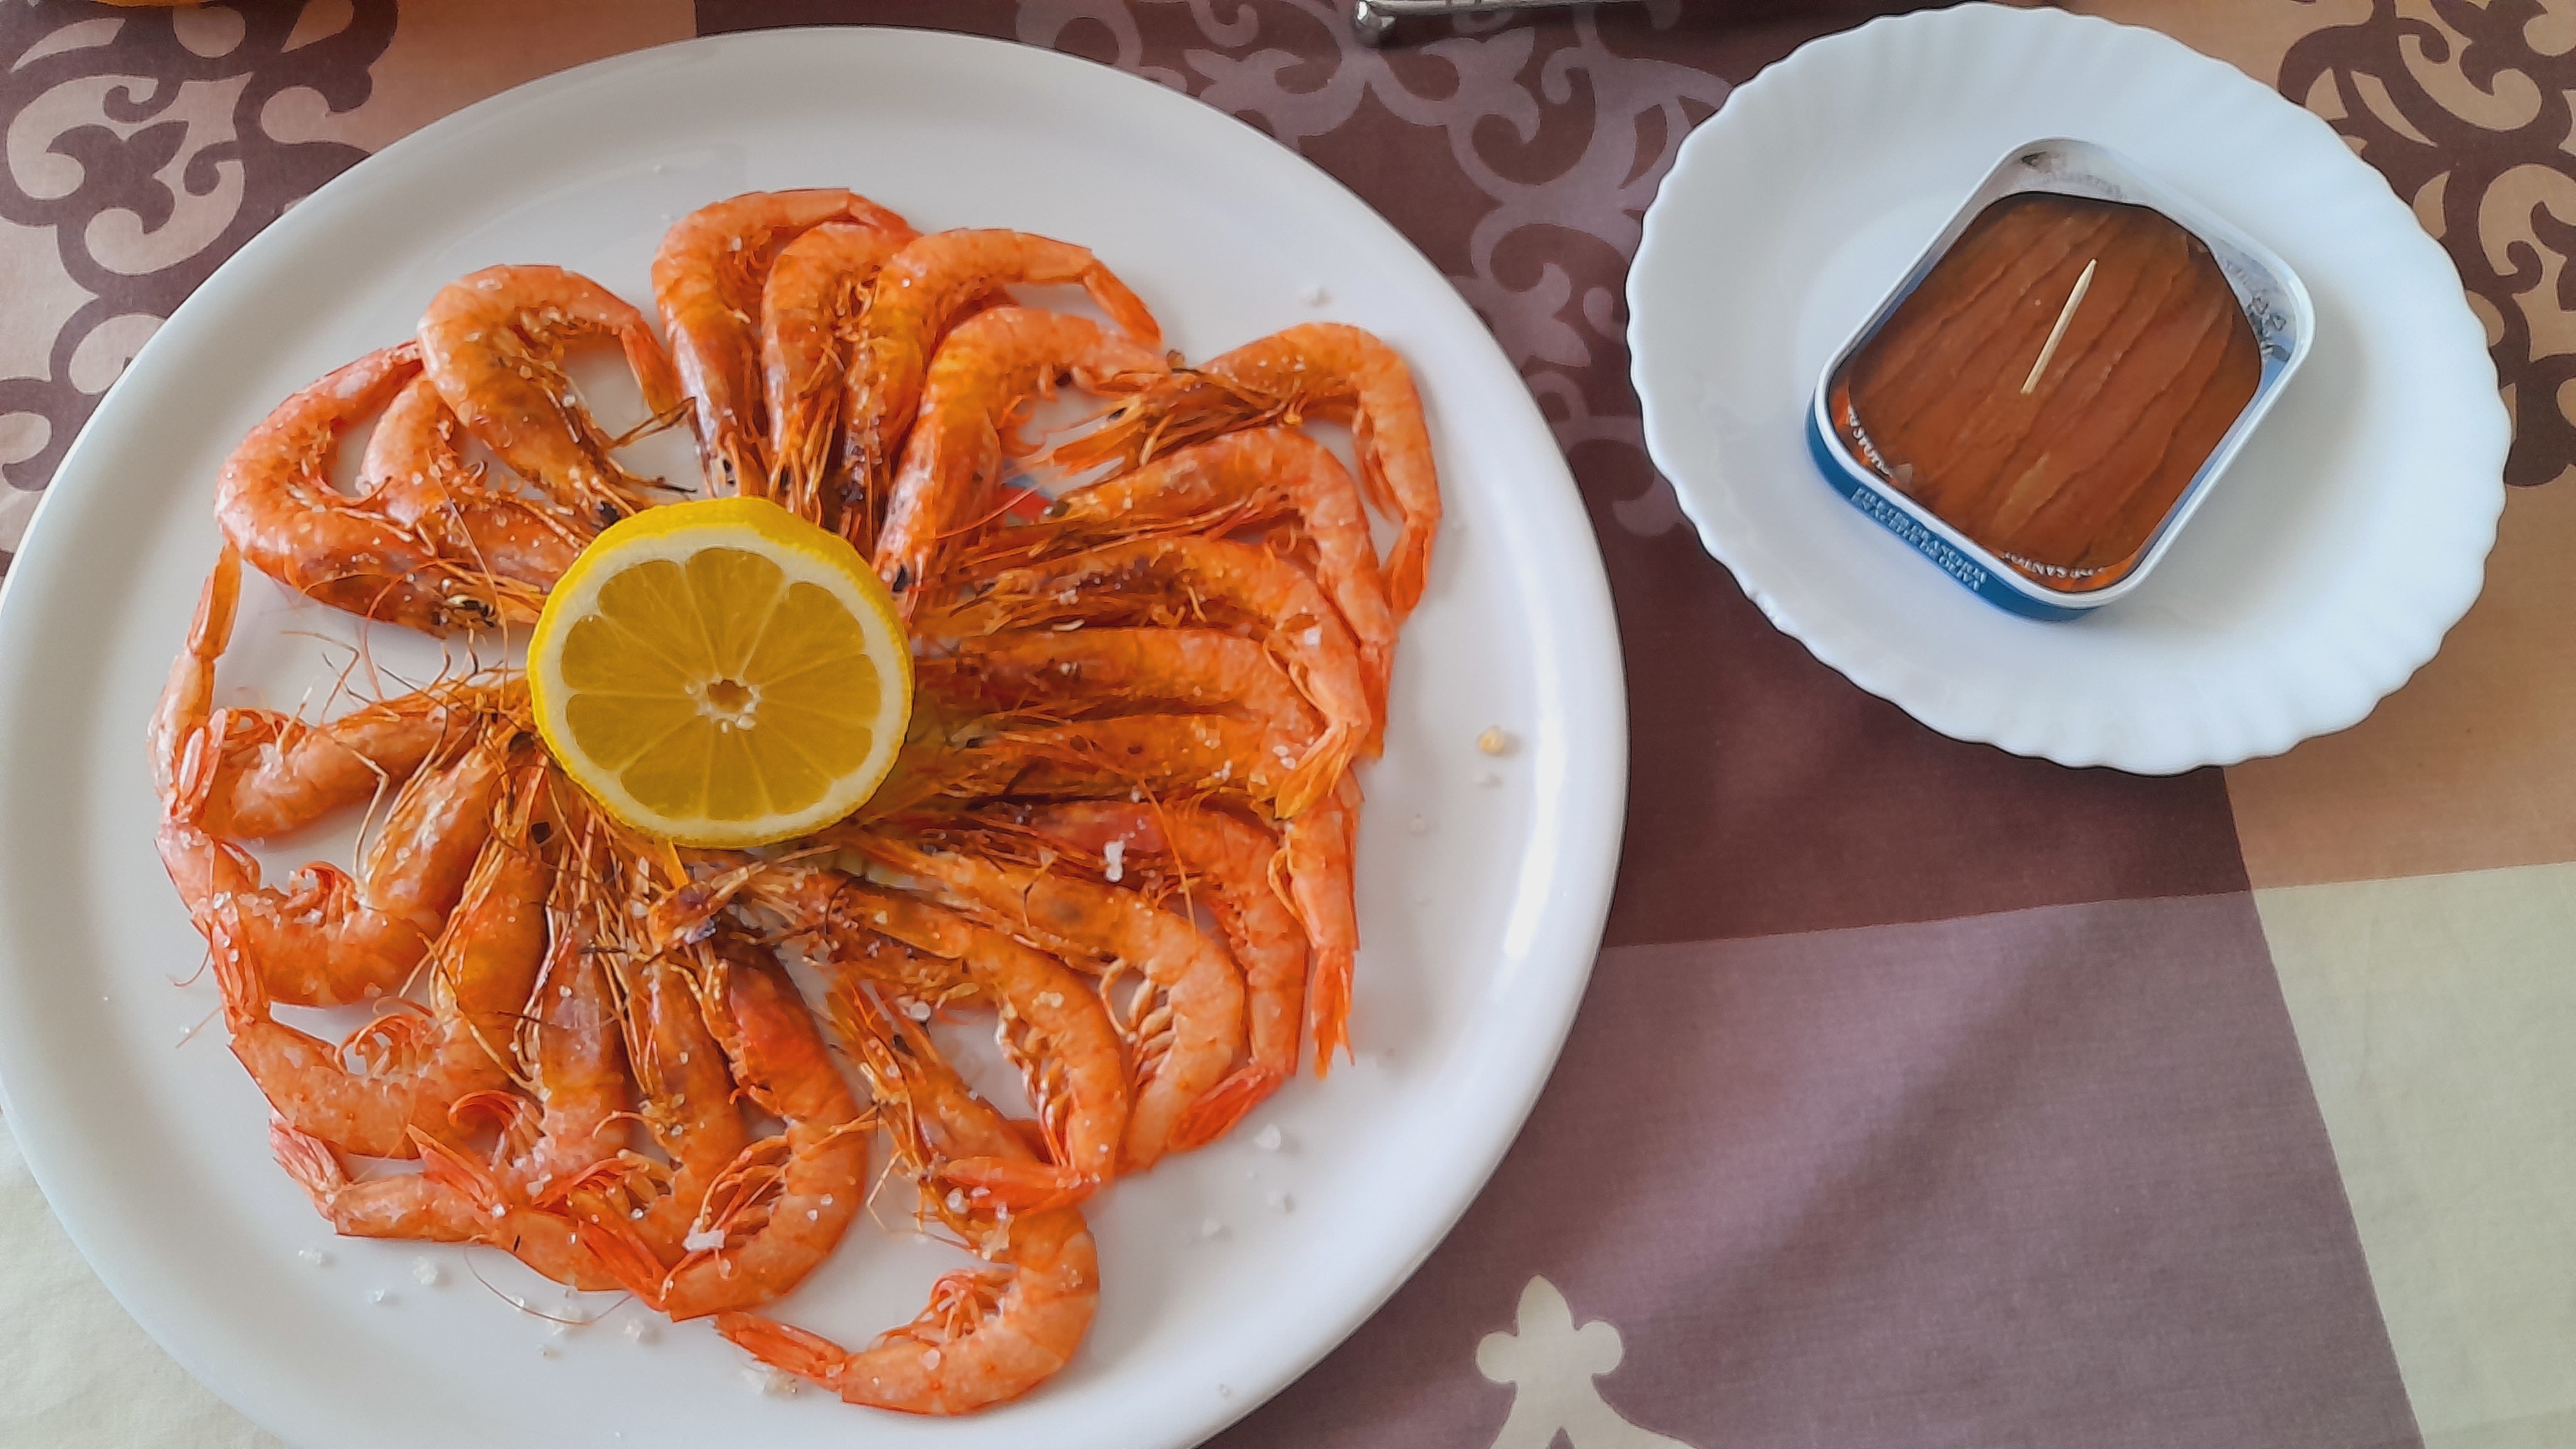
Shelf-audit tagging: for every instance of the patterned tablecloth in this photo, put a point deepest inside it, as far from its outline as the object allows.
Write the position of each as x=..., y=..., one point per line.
x=1924, y=1096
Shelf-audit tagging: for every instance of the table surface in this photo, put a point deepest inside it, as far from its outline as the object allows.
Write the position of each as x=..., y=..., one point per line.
x=1924, y=1095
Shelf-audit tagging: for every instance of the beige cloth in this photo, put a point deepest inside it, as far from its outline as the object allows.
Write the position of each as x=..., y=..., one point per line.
x=81, y=1374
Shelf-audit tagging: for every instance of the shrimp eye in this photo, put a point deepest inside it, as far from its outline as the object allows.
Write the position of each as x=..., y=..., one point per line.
x=540, y=832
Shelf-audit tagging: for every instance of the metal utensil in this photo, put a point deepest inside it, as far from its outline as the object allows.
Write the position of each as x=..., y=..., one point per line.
x=1373, y=20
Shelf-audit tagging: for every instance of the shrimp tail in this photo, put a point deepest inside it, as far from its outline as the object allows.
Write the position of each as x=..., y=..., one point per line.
x=443, y=1164
x=1214, y=1114
x=1315, y=775
x=623, y=1252
x=307, y=1159
x=806, y=1355
x=1329, y=1014
x=245, y=993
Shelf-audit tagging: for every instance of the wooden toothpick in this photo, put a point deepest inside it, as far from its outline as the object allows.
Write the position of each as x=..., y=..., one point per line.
x=2057, y=333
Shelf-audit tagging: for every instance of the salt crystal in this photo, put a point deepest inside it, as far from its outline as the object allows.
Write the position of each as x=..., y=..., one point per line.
x=638, y=1331
x=1224, y=1392
x=376, y=1295
x=917, y=1010
x=956, y=1201
x=1268, y=1138
x=1210, y=1227
x=1486, y=778
x=1314, y=295
x=704, y=1240
x=424, y=1272
x=930, y=1358
x=313, y=1256
x=1115, y=853
x=1280, y=1202
x=827, y=1199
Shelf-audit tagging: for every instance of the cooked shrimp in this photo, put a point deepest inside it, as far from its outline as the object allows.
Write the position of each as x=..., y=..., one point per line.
x=419, y=1208
x=985, y=370
x=765, y=1223
x=493, y=340
x=1052, y=1026
x=1234, y=860
x=278, y=509
x=986, y=1337
x=265, y=773
x=274, y=773
x=573, y=1045
x=922, y=292
x=1216, y=486
x=1320, y=846
x=684, y=1096
x=1157, y=580
x=1184, y=1047
x=810, y=311
x=1323, y=370
x=707, y=279
x=331, y=938
x=414, y=472
x=1082, y=672
x=1133, y=756
x=483, y=967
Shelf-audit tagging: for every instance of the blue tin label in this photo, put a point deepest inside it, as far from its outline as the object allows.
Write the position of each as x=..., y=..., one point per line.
x=1971, y=574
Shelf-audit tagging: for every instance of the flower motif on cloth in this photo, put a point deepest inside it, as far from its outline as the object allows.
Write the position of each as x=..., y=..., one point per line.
x=1550, y=1365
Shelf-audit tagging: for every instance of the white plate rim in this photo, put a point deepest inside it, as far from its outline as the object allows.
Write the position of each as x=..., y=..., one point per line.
x=2243, y=729
x=1582, y=804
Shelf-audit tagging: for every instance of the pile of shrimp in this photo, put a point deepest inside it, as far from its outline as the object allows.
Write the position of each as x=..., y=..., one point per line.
x=1121, y=829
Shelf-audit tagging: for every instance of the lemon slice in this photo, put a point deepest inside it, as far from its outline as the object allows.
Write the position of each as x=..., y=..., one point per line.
x=721, y=673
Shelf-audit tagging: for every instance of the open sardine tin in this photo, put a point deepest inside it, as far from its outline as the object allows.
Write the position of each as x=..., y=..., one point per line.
x=2275, y=303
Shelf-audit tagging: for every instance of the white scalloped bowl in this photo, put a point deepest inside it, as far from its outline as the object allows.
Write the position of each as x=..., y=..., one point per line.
x=2324, y=570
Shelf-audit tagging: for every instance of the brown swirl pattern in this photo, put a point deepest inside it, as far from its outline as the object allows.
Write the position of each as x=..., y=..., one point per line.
x=140, y=156
x=2467, y=109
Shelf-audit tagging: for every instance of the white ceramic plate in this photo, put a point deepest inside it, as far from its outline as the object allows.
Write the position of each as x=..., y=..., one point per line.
x=2325, y=566
x=1480, y=922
